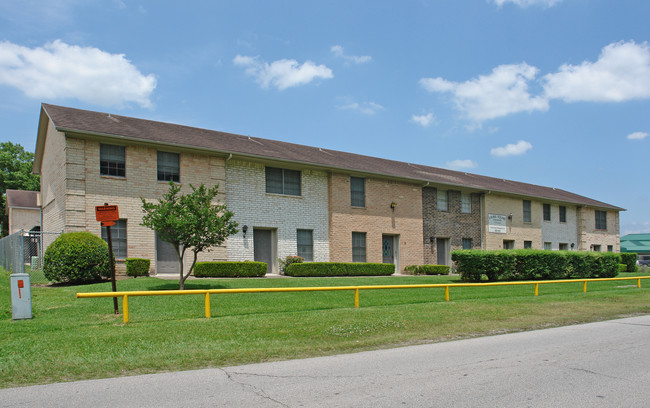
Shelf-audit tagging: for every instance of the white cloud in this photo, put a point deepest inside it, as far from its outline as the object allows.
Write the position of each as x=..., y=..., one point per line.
x=526, y=3
x=337, y=50
x=59, y=70
x=501, y=93
x=637, y=135
x=621, y=73
x=367, y=108
x=517, y=149
x=282, y=74
x=423, y=120
x=460, y=164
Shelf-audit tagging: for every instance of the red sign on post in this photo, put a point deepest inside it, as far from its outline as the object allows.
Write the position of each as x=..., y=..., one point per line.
x=107, y=214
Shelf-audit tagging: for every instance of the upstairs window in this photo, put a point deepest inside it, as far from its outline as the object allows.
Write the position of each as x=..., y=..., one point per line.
x=601, y=220
x=465, y=203
x=282, y=181
x=547, y=212
x=112, y=160
x=169, y=167
x=357, y=192
x=562, y=213
x=442, y=200
x=527, y=214
x=306, y=244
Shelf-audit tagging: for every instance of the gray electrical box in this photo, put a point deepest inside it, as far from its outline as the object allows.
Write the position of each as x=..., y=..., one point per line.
x=21, y=296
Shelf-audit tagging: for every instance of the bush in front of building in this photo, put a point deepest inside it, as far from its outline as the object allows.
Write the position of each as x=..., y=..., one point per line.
x=321, y=269
x=137, y=267
x=629, y=259
x=527, y=264
x=288, y=261
x=246, y=269
x=428, y=269
x=77, y=257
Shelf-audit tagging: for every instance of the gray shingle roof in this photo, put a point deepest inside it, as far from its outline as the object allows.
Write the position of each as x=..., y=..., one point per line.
x=109, y=125
x=22, y=199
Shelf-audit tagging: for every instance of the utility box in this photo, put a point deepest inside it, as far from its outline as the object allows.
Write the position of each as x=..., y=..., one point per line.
x=21, y=296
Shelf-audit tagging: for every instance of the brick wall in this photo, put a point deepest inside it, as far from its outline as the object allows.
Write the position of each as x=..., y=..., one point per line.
x=53, y=181
x=557, y=232
x=376, y=219
x=516, y=229
x=590, y=236
x=451, y=224
x=247, y=198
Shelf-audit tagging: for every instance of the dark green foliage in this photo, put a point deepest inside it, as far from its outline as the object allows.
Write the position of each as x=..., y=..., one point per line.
x=77, y=257
x=137, y=266
x=527, y=264
x=244, y=269
x=339, y=269
x=15, y=174
x=629, y=259
x=622, y=268
x=288, y=261
x=428, y=269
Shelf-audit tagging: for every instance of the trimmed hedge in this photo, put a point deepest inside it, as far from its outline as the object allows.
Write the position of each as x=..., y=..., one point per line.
x=244, y=269
x=77, y=257
x=428, y=269
x=137, y=267
x=339, y=269
x=527, y=264
x=288, y=261
x=629, y=259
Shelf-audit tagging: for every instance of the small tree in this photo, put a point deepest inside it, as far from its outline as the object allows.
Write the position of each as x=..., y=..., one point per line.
x=189, y=221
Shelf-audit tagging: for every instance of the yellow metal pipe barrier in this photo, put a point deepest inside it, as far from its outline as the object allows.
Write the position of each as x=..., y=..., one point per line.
x=208, y=292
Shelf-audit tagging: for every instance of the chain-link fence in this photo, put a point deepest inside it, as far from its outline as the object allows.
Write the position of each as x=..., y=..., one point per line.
x=23, y=251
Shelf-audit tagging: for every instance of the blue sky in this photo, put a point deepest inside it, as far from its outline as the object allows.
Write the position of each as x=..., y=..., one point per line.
x=550, y=92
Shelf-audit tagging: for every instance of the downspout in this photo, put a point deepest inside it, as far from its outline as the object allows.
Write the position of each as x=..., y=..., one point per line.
x=481, y=211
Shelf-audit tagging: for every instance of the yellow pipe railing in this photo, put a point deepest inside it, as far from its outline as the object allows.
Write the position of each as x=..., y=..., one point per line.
x=207, y=292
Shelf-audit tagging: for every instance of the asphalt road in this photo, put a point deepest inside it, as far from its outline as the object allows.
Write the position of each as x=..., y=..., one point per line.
x=604, y=364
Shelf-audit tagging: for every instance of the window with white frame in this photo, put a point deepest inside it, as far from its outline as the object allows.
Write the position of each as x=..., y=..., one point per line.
x=305, y=239
x=112, y=160
x=443, y=200
x=118, y=238
x=283, y=181
x=357, y=192
x=465, y=203
x=169, y=167
x=358, y=247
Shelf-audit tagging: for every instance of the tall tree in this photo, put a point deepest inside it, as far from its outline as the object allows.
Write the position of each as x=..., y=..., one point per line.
x=189, y=221
x=15, y=174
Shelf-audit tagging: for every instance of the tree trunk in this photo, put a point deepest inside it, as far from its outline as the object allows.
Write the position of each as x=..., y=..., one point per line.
x=181, y=281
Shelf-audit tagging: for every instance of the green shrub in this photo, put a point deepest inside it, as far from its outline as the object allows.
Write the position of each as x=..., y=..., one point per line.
x=527, y=264
x=622, y=268
x=339, y=269
x=77, y=257
x=137, y=266
x=288, y=261
x=244, y=269
x=629, y=259
x=428, y=269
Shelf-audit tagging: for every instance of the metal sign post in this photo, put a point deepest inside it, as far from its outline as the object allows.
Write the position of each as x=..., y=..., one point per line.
x=108, y=215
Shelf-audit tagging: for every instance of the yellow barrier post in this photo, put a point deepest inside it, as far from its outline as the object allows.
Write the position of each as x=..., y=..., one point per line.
x=638, y=283
x=537, y=289
x=447, y=293
x=356, y=298
x=207, y=305
x=584, y=286
x=125, y=309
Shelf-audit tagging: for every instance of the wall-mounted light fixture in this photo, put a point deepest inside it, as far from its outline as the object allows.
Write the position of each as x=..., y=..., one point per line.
x=393, y=205
x=244, y=229
x=510, y=217
x=432, y=239
x=572, y=245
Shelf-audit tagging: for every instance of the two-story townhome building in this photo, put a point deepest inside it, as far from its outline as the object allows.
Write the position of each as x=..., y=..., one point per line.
x=291, y=199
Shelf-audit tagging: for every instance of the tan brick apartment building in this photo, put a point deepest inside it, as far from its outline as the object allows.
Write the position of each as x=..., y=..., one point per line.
x=297, y=200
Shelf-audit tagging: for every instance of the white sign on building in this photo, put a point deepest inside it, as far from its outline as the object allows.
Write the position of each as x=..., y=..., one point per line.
x=497, y=223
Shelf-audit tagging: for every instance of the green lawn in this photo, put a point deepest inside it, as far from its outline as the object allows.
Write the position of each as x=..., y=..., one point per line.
x=71, y=339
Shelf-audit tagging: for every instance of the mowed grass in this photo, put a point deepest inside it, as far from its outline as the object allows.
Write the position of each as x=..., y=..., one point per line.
x=72, y=339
